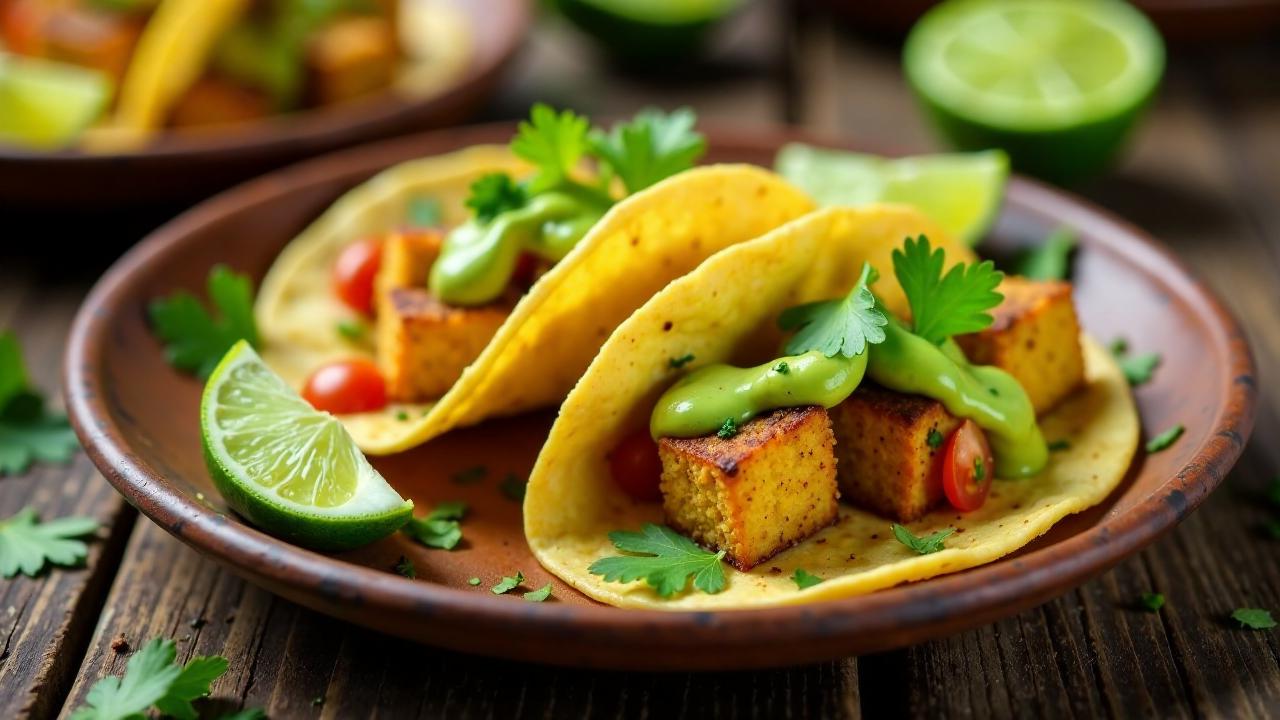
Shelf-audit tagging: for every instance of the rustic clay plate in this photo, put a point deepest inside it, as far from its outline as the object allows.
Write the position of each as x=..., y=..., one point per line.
x=188, y=165
x=138, y=420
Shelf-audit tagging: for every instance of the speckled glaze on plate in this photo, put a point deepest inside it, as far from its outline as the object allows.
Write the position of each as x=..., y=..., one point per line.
x=138, y=420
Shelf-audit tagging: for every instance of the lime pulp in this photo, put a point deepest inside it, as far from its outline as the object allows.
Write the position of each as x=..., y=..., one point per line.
x=289, y=469
x=47, y=104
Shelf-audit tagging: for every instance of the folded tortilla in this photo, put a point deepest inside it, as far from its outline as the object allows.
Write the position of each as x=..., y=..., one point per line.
x=535, y=358
x=725, y=311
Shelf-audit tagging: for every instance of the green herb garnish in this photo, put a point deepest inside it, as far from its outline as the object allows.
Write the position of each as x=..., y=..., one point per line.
x=194, y=340
x=935, y=439
x=28, y=432
x=425, y=212
x=153, y=679
x=352, y=330
x=474, y=581
x=470, y=476
x=922, y=545
x=1165, y=439
x=402, y=415
x=728, y=429
x=26, y=544
x=1137, y=369
x=513, y=488
x=944, y=305
x=539, y=595
x=979, y=469
x=441, y=528
x=782, y=368
x=1051, y=259
x=1254, y=618
x=837, y=327
x=677, y=363
x=507, y=584
x=664, y=559
x=494, y=194
x=553, y=142
x=405, y=568
x=1059, y=445
x=652, y=147
x=1273, y=491
x=1152, y=601
x=804, y=580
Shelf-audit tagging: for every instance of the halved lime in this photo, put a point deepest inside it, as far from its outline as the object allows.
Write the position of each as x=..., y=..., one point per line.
x=959, y=191
x=642, y=31
x=289, y=469
x=47, y=104
x=1058, y=84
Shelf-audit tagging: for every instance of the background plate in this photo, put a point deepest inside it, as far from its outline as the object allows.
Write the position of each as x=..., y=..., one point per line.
x=138, y=421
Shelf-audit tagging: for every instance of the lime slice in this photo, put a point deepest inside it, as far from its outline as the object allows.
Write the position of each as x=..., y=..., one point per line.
x=291, y=470
x=47, y=104
x=1056, y=83
x=643, y=31
x=959, y=191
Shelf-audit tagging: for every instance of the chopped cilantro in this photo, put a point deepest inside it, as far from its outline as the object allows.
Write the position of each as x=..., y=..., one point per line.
x=1051, y=259
x=979, y=469
x=195, y=341
x=441, y=528
x=553, y=142
x=539, y=595
x=512, y=487
x=152, y=678
x=1273, y=529
x=804, y=580
x=948, y=304
x=470, y=476
x=1152, y=601
x=402, y=415
x=1119, y=346
x=677, y=363
x=1058, y=445
x=494, y=194
x=507, y=584
x=935, y=438
x=1137, y=369
x=1254, y=618
x=650, y=148
x=405, y=567
x=317, y=701
x=782, y=368
x=424, y=212
x=837, y=327
x=26, y=544
x=474, y=581
x=728, y=429
x=352, y=330
x=28, y=432
x=1165, y=439
x=664, y=559
x=922, y=545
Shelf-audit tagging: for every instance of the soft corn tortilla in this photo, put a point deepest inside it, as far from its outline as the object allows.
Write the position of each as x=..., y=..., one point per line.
x=537, y=355
x=724, y=311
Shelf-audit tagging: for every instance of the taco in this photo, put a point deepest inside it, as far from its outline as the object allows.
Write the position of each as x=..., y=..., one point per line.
x=862, y=454
x=520, y=263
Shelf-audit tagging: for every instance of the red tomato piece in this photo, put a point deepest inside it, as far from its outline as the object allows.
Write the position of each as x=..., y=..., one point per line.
x=526, y=266
x=636, y=468
x=967, y=467
x=354, y=271
x=346, y=386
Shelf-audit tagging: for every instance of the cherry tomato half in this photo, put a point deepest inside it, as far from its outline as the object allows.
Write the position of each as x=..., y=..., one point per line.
x=353, y=273
x=967, y=467
x=346, y=386
x=636, y=468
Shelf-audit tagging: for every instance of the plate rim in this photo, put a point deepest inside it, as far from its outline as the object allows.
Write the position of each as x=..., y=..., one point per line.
x=742, y=638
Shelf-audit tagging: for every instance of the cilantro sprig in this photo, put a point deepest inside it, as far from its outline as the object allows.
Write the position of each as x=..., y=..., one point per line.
x=441, y=528
x=664, y=559
x=494, y=194
x=27, y=545
x=1051, y=259
x=650, y=148
x=28, y=431
x=1254, y=618
x=945, y=304
x=926, y=545
x=837, y=327
x=194, y=339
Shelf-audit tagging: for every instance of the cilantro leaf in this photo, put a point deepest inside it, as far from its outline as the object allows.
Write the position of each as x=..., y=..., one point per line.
x=539, y=595
x=513, y=488
x=727, y=429
x=1059, y=445
x=664, y=559
x=935, y=439
x=494, y=194
x=470, y=476
x=678, y=362
x=1254, y=618
x=950, y=304
x=474, y=581
x=27, y=431
x=804, y=580
x=147, y=679
x=27, y=544
x=1165, y=439
x=553, y=142
x=194, y=340
x=507, y=584
x=192, y=683
x=1138, y=369
x=782, y=368
x=922, y=545
x=837, y=327
x=424, y=212
x=405, y=568
x=13, y=371
x=351, y=330
x=441, y=528
x=1152, y=601
x=652, y=147
x=1051, y=259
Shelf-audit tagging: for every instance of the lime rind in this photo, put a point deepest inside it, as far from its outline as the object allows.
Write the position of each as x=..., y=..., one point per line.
x=663, y=12
x=1037, y=65
x=962, y=192
x=286, y=467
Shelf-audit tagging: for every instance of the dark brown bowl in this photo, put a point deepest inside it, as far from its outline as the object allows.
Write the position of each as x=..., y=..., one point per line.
x=189, y=165
x=138, y=420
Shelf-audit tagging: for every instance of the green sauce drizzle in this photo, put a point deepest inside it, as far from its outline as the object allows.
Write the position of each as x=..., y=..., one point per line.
x=477, y=260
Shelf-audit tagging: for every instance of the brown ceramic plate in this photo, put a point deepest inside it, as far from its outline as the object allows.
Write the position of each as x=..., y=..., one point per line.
x=138, y=420
x=189, y=165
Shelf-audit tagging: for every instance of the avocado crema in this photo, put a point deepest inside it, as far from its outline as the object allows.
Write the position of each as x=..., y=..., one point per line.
x=478, y=259
x=700, y=403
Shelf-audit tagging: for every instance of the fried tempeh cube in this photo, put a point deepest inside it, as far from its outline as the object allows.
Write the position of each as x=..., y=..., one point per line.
x=1035, y=337
x=889, y=446
x=757, y=493
x=351, y=57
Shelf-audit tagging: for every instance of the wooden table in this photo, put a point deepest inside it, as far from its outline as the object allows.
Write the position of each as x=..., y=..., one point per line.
x=1204, y=176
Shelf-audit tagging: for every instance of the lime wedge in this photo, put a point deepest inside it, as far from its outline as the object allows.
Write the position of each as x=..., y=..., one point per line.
x=47, y=104
x=1056, y=83
x=644, y=31
x=959, y=191
x=289, y=469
